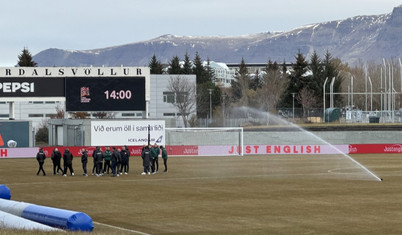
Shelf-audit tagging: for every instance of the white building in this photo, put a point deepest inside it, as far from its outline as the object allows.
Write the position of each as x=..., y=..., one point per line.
x=223, y=74
x=160, y=106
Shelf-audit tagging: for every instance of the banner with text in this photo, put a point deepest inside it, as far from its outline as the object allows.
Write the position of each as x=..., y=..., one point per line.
x=272, y=149
x=109, y=133
x=375, y=148
x=18, y=152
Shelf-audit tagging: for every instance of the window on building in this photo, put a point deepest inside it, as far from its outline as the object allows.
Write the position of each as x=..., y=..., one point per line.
x=37, y=102
x=168, y=97
x=35, y=115
x=50, y=115
x=139, y=114
x=181, y=97
x=4, y=115
x=50, y=102
x=128, y=114
x=168, y=114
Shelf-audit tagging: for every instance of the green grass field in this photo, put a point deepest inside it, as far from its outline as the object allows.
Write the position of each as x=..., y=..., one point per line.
x=225, y=195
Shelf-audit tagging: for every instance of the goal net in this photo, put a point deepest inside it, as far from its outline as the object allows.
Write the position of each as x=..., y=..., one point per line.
x=205, y=141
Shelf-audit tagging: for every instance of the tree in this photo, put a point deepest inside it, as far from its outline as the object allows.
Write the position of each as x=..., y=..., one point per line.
x=81, y=115
x=209, y=72
x=316, y=82
x=307, y=100
x=184, y=93
x=296, y=80
x=255, y=82
x=241, y=85
x=187, y=66
x=59, y=113
x=204, y=77
x=174, y=66
x=155, y=66
x=199, y=70
x=25, y=59
x=331, y=70
x=104, y=115
x=42, y=135
x=273, y=85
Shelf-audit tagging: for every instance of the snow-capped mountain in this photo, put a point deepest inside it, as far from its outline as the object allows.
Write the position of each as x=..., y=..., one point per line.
x=360, y=38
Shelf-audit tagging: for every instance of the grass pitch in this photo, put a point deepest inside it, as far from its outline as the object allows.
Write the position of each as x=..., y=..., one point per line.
x=224, y=195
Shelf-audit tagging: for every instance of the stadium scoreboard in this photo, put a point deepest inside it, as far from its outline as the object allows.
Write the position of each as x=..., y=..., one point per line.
x=105, y=94
x=82, y=88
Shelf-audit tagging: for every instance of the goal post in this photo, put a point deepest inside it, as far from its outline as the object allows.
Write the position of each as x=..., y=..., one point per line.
x=214, y=141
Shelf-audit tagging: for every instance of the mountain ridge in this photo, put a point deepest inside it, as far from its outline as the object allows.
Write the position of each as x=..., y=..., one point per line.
x=355, y=39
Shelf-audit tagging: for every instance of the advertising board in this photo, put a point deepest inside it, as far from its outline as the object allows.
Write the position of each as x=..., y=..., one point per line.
x=22, y=87
x=14, y=131
x=105, y=94
x=110, y=133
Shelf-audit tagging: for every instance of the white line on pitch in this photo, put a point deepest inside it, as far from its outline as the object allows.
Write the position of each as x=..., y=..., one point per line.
x=123, y=229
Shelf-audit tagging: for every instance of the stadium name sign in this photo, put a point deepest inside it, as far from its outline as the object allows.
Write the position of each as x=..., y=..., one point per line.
x=120, y=89
x=71, y=71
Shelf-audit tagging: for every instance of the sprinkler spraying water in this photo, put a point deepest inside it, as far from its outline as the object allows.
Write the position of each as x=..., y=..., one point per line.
x=280, y=121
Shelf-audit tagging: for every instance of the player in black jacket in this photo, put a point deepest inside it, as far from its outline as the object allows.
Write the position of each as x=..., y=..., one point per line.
x=56, y=157
x=84, y=161
x=40, y=157
x=124, y=160
x=98, y=157
x=68, y=162
x=146, y=156
x=114, y=159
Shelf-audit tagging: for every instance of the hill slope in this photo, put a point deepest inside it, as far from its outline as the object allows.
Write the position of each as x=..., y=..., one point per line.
x=357, y=38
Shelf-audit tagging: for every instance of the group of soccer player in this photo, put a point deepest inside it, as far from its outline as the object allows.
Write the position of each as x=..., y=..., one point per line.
x=150, y=155
x=115, y=160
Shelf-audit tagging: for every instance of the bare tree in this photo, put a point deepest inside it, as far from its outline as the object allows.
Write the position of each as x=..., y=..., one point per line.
x=104, y=115
x=184, y=96
x=59, y=113
x=81, y=115
x=273, y=84
x=307, y=99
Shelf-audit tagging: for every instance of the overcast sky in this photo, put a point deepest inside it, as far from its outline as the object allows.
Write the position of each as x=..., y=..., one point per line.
x=90, y=24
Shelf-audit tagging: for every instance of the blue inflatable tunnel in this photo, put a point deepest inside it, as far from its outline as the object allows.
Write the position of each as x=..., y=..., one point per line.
x=10, y=221
x=59, y=218
x=5, y=192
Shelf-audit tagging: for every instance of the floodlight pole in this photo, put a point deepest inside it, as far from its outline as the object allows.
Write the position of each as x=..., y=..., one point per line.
x=371, y=93
x=293, y=95
x=223, y=109
x=331, y=95
x=149, y=135
x=323, y=89
x=210, y=104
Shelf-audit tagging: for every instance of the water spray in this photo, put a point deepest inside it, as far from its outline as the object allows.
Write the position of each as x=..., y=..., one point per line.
x=282, y=121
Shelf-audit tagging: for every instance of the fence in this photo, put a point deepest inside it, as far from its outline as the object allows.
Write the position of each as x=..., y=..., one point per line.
x=297, y=116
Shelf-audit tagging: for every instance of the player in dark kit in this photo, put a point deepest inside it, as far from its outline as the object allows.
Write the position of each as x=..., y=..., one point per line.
x=157, y=152
x=164, y=157
x=56, y=157
x=94, y=159
x=68, y=162
x=115, y=157
x=118, y=163
x=98, y=158
x=154, y=155
x=107, y=155
x=124, y=161
x=40, y=157
x=146, y=156
x=84, y=161
x=128, y=158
